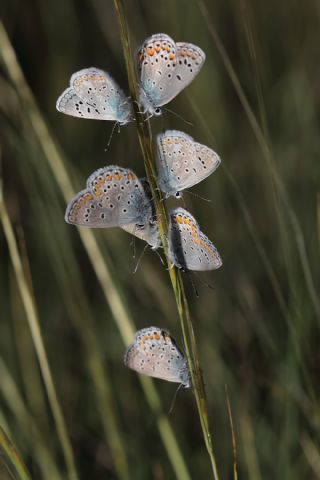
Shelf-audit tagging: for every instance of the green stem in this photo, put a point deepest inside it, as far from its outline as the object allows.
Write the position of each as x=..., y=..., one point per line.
x=145, y=139
x=11, y=457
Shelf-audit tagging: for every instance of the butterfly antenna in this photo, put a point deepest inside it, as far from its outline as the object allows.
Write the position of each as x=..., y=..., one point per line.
x=198, y=196
x=155, y=177
x=203, y=281
x=162, y=123
x=140, y=257
x=179, y=116
x=174, y=399
x=116, y=124
x=161, y=259
x=189, y=275
x=148, y=117
x=184, y=201
x=158, y=190
x=171, y=267
x=133, y=244
x=142, y=112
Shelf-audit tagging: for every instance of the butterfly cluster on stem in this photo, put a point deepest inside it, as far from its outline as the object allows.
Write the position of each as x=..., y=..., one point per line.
x=115, y=197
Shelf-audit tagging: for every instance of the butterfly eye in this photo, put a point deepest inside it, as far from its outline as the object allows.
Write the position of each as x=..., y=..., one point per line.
x=157, y=112
x=178, y=195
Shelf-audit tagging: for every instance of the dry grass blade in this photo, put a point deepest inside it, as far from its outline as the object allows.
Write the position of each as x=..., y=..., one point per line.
x=39, y=447
x=34, y=326
x=278, y=185
x=311, y=451
x=234, y=444
x=11, y=457
x=122, y=318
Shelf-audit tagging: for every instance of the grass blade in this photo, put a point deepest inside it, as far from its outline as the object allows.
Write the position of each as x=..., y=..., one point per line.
x=34, y=326
x=11, y=457
x=112, y=295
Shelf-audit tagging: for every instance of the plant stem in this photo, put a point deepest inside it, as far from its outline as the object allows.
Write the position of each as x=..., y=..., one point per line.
x=11, y=456
x=34, y=326
x=145, y=139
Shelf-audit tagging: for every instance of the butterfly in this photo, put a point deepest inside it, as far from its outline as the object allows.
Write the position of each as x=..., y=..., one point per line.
x=114, y=197
x=189, y=248
x=165, y=68
x=93, y=94
x=182, y=162
x=154, y=352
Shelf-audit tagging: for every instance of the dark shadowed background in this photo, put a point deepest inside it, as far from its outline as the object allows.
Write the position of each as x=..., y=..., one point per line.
x=257, y=103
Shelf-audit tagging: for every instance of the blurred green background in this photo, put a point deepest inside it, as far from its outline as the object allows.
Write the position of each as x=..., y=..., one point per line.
x=257, y=103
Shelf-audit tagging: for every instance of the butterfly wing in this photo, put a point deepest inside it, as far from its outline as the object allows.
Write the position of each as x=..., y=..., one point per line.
x=122, y=193
x=189, y=248
x=155, y=353
x=94, y=94
x=190, y=60
x=157, y=61
x=182, y=163
x=166, y=68
x=148, y=232
x=114, y=197
x=71, y=104
x=85, y=210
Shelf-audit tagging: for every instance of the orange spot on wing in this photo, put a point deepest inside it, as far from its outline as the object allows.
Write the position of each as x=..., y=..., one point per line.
x=81, y=202
x=88, y=78
x=150, y=51
x=148, y=337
